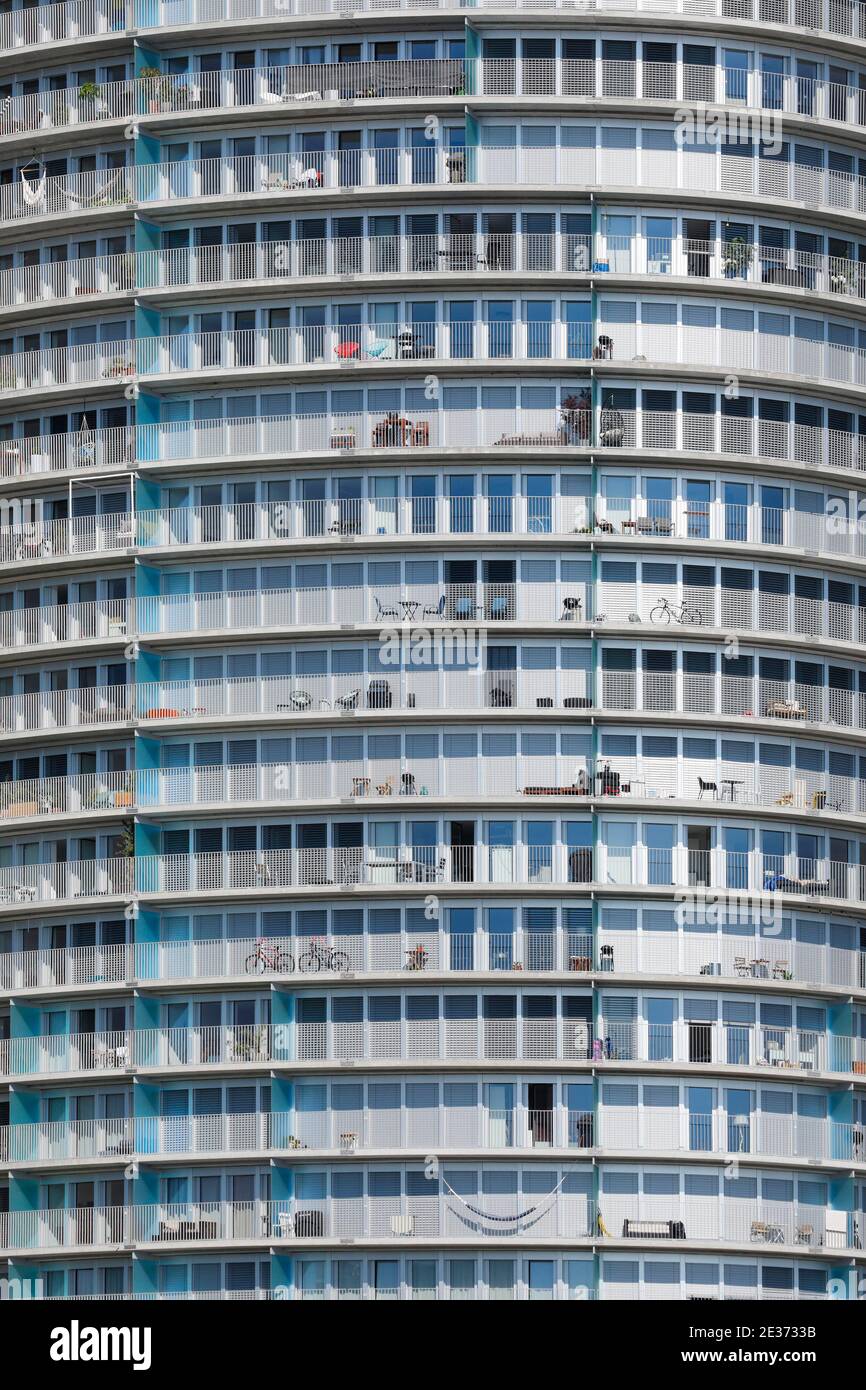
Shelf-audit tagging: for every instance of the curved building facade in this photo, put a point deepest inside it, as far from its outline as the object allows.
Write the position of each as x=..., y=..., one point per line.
x=432, y=668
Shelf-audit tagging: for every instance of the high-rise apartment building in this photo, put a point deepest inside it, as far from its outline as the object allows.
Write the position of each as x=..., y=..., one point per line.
x=432, y=669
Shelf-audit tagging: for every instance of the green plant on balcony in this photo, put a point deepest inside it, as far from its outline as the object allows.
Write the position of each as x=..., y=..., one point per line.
x=739, y=255
x=252, y=1046
x=125, y=842
x=119, y=366
x=158, y=87
x=89, y=92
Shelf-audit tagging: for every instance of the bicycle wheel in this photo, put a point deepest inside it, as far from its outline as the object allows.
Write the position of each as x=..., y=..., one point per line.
x=255, y=964
x=284, y=963
x=694, y=616
x=309, y=961
x=660, y=614
x=340, y=962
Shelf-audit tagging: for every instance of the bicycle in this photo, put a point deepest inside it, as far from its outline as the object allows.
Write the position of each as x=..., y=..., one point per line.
x=320, y=957
x=665, y=613
x=416, y=958
x=266, y=957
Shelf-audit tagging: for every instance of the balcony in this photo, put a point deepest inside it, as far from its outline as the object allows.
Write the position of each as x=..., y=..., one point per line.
x=65, y=195
x=427, y=606
x=69, y=19
x=242, y=88
x=56, y=624
x=67, y=709
x=404, y=165
x=344, y=518
x=768, y=961
x=452, y=253
x=404, y=866
x=112, y=449
x=550, y=1217
x=775, y=1052
x=477, y=340
x=655, y=82
x=267, y=1222
x=68, y=280
x=66, y=881
x=80, y=535
x=408, y=80
x=732, y=697
x=278, y=436
x=243, y=349
x=494, y=515
x=755, y=610
x=389, y=607
x=76, y=795
x=389, y=781
x=491, y=516
x=784, y=703
x=85, y=18
x=64, y=1142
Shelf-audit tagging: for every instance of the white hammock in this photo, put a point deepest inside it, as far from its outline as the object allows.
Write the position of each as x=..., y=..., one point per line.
x=31, y=194
x=34, y=194
x=94, y=198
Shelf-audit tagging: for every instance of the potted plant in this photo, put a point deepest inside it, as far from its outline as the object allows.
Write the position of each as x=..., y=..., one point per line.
x=126, y=841
x=575, y=413
x=89, y=94
x=739, y=254
x=253, y=1047
x=158, y=88
x=118, y=367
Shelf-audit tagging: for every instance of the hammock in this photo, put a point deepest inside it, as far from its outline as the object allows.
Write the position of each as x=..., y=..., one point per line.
x=33, y=195
x=506, y=1220
x=93, y=198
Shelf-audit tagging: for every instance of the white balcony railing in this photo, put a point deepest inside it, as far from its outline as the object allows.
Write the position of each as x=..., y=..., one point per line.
x=627, y=954
x=263, y=1222
x=275, y=85
x=407, y=79
x=681, y=167
x=78, y=535
x=240, y=524
x=387, y=606
x=110, y=449
x=572, y=427
x=70, y=19
x=494, y=515
x=478, y=340
x=63, y=194
x=734, y=697
x=78, y=878
x=371, y=780
x=540, y=1217
x=170, y=354
x=688, y=605
x=51, y=796
x=419, y=254
x=69, y=279
x=58, y=623
x=813, y=880
x=704, y=1044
